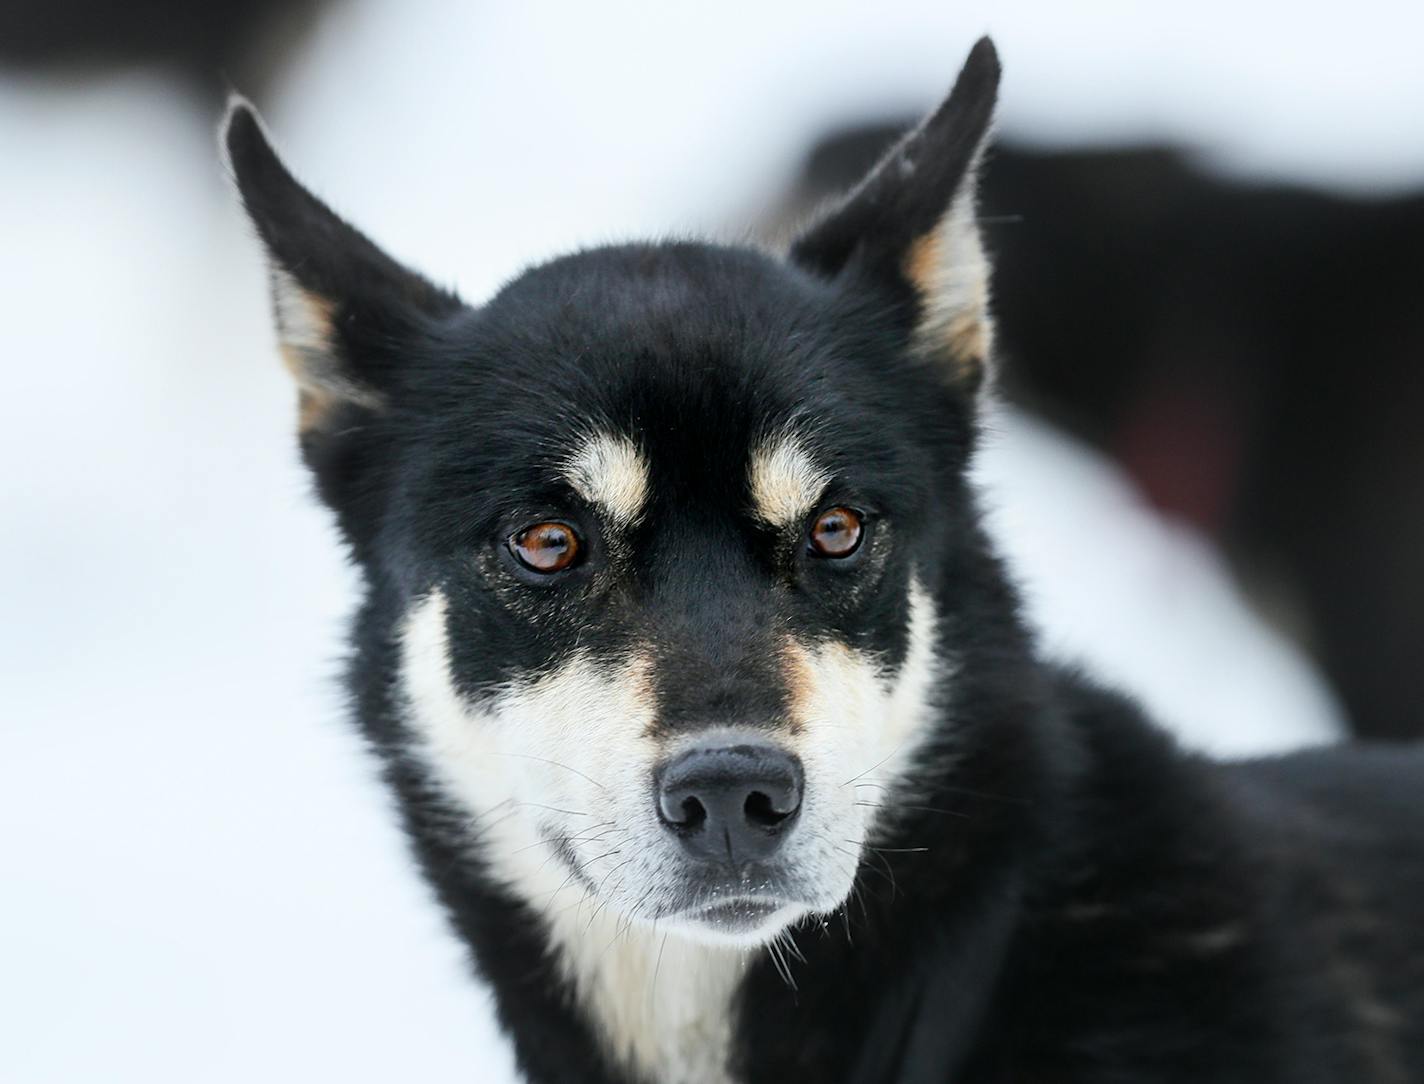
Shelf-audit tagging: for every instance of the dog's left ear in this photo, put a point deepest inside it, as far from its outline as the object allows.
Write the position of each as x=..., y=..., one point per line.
x=909, y=229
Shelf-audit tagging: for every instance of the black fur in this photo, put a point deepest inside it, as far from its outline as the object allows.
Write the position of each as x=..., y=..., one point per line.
x=1066, y=897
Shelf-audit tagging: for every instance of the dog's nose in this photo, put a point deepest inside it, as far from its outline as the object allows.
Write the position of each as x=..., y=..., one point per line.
x=730, y=803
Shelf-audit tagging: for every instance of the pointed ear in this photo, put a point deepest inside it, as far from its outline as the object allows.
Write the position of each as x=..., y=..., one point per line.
x=910, y=230
x=339, y=301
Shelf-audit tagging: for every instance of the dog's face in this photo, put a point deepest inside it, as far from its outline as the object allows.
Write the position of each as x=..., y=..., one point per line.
x=659, y=531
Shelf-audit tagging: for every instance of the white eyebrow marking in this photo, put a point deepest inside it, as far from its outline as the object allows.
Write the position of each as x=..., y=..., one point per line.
x=610, y=472
x=785, y=481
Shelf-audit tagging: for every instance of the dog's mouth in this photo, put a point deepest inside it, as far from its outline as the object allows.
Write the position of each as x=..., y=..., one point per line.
x=738, y=906
x=738, y=917
x=741, y=911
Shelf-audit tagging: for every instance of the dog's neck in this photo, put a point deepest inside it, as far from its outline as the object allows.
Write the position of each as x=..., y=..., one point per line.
x=661, y=1004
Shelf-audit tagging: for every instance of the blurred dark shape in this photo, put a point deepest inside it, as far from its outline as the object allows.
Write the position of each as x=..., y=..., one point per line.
x=1252, y=354
x=210, y=42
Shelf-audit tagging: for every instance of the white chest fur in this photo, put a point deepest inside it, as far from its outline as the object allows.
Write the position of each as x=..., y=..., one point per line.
x=662, y=1004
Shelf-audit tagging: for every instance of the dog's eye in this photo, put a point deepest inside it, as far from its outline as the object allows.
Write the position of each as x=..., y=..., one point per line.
x=836, y=533
x=546, y=547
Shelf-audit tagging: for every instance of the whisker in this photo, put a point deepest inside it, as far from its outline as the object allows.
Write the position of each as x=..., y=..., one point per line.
x=658, y=966
x=596, y=836
x=612, y=871
x=594, y=917
x=872, y=768
x=570, y=842
x=556, y=809
x=619, y=929
x=918, y=809
x=888, y=872
x=605, y=854
x=988, y=797
x=985, y=795
x=791, y=946
x=555, y=894
x=555, y=763
x=782, y=968
x=551, y=840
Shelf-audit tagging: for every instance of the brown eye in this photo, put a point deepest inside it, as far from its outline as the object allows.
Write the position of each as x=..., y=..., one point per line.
x=546, y=547
x=836, y=533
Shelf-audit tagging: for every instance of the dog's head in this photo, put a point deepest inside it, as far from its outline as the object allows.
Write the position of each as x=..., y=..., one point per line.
x=659, y=532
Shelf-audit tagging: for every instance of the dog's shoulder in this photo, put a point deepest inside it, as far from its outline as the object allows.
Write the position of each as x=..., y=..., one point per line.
x=1372, y=786
x=1268, y=907
x=1338, y=829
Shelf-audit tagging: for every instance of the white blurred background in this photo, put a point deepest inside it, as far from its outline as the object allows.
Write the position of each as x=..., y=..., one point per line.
x=200, y=879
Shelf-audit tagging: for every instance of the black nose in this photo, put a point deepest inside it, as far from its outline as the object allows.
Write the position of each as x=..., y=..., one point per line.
x=731, y=803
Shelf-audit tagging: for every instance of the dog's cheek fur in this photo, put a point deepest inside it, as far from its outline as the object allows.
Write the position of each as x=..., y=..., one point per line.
x=556, y=766
x=553, y=758
x=858, y=725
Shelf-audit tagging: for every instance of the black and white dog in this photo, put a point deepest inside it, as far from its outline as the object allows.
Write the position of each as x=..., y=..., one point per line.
x=710, y=711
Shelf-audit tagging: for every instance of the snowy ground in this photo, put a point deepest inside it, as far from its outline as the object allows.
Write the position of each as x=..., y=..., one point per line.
x=202, y=882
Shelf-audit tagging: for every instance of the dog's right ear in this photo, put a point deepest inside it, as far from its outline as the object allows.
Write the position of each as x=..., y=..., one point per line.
x=342, y=305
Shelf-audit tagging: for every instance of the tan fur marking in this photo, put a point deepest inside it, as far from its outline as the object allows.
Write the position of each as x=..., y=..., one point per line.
x=799, y=672
x=305, y=324
x=923, y=261
x=968, y=342
x=610, y=472
x=307, y=344
x=947, y=267
x=785, y=482
x=311, y=405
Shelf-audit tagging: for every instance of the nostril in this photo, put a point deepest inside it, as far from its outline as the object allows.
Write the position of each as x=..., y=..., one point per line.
x=761, y=810
x=694, y=813
x=682, y=811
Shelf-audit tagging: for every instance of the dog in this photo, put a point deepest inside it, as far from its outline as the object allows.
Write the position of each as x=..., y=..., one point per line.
x=709, y=708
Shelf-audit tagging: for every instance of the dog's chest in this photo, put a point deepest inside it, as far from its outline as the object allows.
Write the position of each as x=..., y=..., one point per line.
x=661, y=1005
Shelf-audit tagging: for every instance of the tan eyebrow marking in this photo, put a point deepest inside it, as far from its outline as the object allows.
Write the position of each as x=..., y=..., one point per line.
x=610, y=472
x=785, y=481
